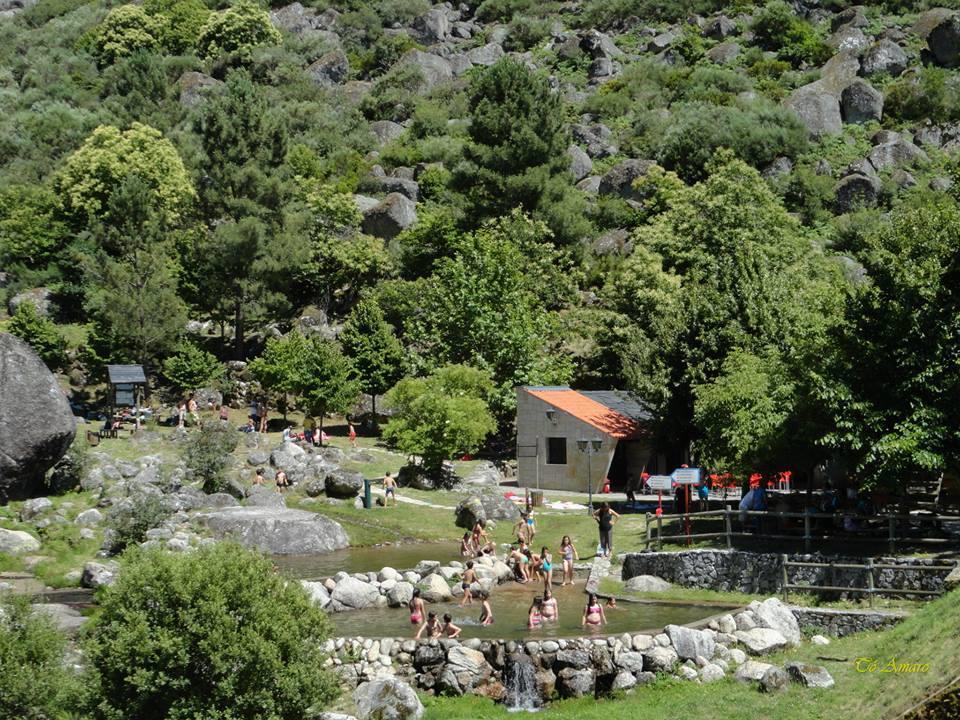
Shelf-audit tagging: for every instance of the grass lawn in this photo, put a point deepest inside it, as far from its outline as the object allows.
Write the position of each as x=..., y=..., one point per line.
x=927, y=638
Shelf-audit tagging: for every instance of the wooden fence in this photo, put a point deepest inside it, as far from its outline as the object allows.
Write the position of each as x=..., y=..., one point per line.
x=877, y=528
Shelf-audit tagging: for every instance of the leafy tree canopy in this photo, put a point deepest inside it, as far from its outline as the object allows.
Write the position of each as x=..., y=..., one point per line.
x=237, y=31
x=214, y=633
x=441, y=416
x=98, y=167
x=191, y=368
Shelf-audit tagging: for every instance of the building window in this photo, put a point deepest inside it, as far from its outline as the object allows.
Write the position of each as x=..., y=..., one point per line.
x=556, y=451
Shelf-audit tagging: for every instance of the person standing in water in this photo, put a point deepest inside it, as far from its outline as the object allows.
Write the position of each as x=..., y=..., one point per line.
x=449, y=629
x=593, y=613
x=568, y=551
x=549, y=606
x=535, y=614
x=469, y=577
x=486, y=612
x=416, y=607
x=546, y=566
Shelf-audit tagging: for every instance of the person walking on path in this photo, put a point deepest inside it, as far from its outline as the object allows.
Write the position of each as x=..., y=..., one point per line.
x=606, y=518
x=569, y=551
x=389, y=490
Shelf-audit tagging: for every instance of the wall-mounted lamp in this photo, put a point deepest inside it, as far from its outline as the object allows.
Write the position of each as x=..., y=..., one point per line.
x=551, y=415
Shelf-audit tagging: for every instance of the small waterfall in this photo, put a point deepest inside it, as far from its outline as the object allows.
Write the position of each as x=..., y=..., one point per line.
x=520, y=681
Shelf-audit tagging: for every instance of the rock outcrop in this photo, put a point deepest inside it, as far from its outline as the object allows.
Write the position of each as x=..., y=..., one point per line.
x=36, y=423
x=278, y=531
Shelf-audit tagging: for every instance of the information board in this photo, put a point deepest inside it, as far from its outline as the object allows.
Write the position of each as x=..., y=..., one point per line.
x=660, y=483
x=686, y=476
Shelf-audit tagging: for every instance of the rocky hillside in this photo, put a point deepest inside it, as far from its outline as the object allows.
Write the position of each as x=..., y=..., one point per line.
x=530, y=188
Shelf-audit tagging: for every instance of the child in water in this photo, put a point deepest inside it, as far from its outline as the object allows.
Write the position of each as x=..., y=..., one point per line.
x=486, y=612
x=431, y=626
x=449, y=629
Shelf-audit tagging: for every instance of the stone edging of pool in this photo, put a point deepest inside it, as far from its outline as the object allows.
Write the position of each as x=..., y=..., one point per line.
x=573, y=667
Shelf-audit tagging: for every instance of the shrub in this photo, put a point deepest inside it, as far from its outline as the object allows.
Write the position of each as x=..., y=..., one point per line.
x=128, y=522
x=236, y=32
x=124, y=31
x=30, y=232
x=36, y=683
x=191, y=368
x=40, y=333
x=214, y=634
x=180, y=22
x=927, y=93
x=777, y=27
x=207, y=455
x=757, y=132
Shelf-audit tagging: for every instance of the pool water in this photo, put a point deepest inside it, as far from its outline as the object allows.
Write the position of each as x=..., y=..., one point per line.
x=365, y=559
x=511, y=603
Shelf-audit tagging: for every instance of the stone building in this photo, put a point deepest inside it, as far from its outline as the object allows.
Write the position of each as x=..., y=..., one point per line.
x=563, y=435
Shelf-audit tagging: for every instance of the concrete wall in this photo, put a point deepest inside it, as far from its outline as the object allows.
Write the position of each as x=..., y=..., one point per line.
x=761, y=572
x=533, y=428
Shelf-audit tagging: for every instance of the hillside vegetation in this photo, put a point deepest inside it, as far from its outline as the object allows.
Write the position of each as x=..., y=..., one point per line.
x=744, y=212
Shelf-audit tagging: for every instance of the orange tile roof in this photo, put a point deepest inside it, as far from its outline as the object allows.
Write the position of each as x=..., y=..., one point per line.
x=591, y=412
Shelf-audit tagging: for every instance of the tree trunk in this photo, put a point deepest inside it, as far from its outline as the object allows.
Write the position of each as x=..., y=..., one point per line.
x=238, y=331
x=373, y=407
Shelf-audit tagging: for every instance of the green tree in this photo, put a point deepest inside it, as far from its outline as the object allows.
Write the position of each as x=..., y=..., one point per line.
x=40, y=333
x=237, y=31
x=31, y=234
x=190, y=368
x=132, y=278
x=282, y=367
x=744, y=414
x=441, y=416
x=517, y=155
x=181, y=22
x=36, y=682
x=374, y=350
x=749, y=280
x=330, y=385
x=892, y=380
x=214, y=634
x=99, y=166
x=207, y=455
x=485, y=307
x=125, y=30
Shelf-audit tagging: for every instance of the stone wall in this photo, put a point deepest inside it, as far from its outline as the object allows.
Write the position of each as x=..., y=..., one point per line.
x=574, y=667
x=754, y=573
x=845, y=622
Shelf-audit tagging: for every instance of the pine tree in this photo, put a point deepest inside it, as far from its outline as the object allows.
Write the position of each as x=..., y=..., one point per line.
x=377, y=355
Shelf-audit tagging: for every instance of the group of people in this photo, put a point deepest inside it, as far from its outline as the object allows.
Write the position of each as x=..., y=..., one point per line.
x=280, y=478
x=545, y=609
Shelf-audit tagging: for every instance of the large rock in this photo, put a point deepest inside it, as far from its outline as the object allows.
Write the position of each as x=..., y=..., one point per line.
x=485, y=506
x=352, y=593
x=486, y=473
x=761, y=641
x=342, y=483
x=434, y=588
x=195, y=87
x=469, y=666
x=400, y=594
x=33, y=507
x=66, y=618
x=897, y=153
x=330, y=69
x=814, y=676
x=618, y=180
x=40, y=298
x=819, y=111
x=689, y=643
x=390, y=217
x=17, y=542
x=580, y=163
x=774, y=680
x=432, y=27
x=96, y=575
x=574, y=683
x=384, y=131
x=433, y=69
x=659, y=658
x=485, y=55
x=883, y=57
x=856, y=191
x=860, y=102
x=751, y=671
x=36, y=423
x=278, y=531
x=647, y=583
x=952, y=580
x=848, y=39
x=944, y=41
x=387, y=699
x=775, y=615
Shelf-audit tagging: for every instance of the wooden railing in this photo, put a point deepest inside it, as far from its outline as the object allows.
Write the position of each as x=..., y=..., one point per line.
x=891, y=524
